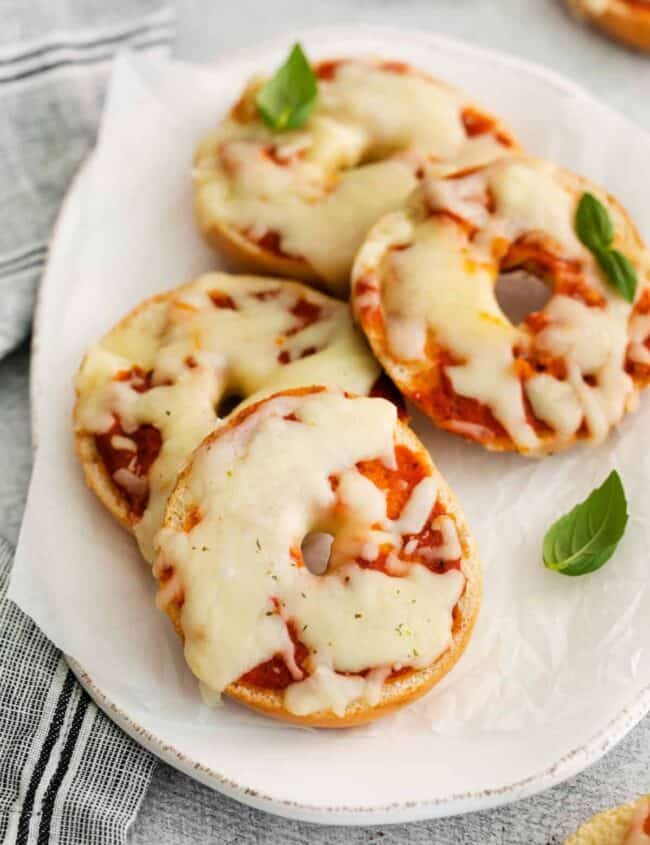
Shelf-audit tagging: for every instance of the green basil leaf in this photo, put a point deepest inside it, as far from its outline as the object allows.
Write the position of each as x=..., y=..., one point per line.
x=619, y=270
x=595, y=229
x=593, y=224
x=586, y=537
x=287, y=99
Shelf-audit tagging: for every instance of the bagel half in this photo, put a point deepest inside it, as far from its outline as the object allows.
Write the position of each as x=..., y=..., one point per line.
x=299, y=203
x=625, y=825
x=627, y=21
x=424, y=292
x=177, y=589
x=168, y=365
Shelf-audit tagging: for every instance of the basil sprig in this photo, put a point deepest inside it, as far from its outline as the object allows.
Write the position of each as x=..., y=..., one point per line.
x=287, y=99
x=585, y=538
x=595, y=230
x=620, y=271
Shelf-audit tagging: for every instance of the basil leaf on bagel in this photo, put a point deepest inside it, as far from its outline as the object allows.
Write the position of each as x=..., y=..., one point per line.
x=620, y=272
x=585, y=538
x=595, y=229
x=287, y=99
x=593, y=223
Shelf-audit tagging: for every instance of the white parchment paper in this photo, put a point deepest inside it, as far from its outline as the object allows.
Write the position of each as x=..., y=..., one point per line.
x=547, y=649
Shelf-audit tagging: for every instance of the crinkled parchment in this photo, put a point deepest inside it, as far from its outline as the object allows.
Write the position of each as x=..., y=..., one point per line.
x=547, y=649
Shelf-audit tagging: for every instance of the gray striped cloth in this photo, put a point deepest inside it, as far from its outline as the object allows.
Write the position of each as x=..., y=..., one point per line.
x=54, y=60
x=67, y=774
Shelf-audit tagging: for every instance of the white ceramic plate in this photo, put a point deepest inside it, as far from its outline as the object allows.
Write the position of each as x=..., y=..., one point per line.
x=344, y=777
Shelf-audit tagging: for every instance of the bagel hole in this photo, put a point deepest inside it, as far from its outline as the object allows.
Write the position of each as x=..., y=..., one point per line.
x=520, y=293
x=316, y=548
x=227, y=404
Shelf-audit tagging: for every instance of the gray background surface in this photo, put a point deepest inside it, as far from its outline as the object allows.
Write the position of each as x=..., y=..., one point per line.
x=177, y=810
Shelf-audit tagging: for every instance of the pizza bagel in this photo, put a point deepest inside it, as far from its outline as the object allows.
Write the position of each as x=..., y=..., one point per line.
x=160, y=381
x=396, y=592
x=624, y=20
x=424, y=293
x=625, y=825
x=299, y=203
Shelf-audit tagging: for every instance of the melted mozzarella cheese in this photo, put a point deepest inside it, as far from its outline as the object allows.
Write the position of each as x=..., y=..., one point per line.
x=555, y=403
x=324, y=690
x=396, y=110
x=639, y=334
x=200, y=353
x=322, y=201
x=261, y=488
x=451, y=548
x=530, y=197
x=442, y=286
x=417, y=510
x=435, y=284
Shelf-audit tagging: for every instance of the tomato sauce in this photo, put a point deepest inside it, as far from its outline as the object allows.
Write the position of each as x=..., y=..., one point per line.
x=362, y=287
x=326, y=71
x=427, y=540
x=396, y=67
x=222, y=300
x=398, y=483
x=536, y=321
x=148, y=442
x=274, y=673
x=643, y=305
x=306, y=313
x=266, y=295
x=379, y=564
x=634, y=368
x=435, y=393
x=639, y=5
x=476, y=123
x=505, y=140
x=285, y=356
x=565, y=275
x=192, y=518
x=270, y=241
x=141, y=380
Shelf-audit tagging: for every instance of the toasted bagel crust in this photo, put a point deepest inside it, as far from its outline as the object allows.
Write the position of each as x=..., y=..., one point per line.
x=243, y=255
x=395, y=692
x=419, y=377
x=97, y=476
x=628, y=22
x=609, y=827
x=338, y=333
x=218, y=194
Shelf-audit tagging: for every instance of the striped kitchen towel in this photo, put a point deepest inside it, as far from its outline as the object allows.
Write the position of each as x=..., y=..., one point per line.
x=54, y=63
x=68, y=775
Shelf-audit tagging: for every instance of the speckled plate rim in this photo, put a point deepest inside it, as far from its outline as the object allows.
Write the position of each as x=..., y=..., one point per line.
x=570, y=763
